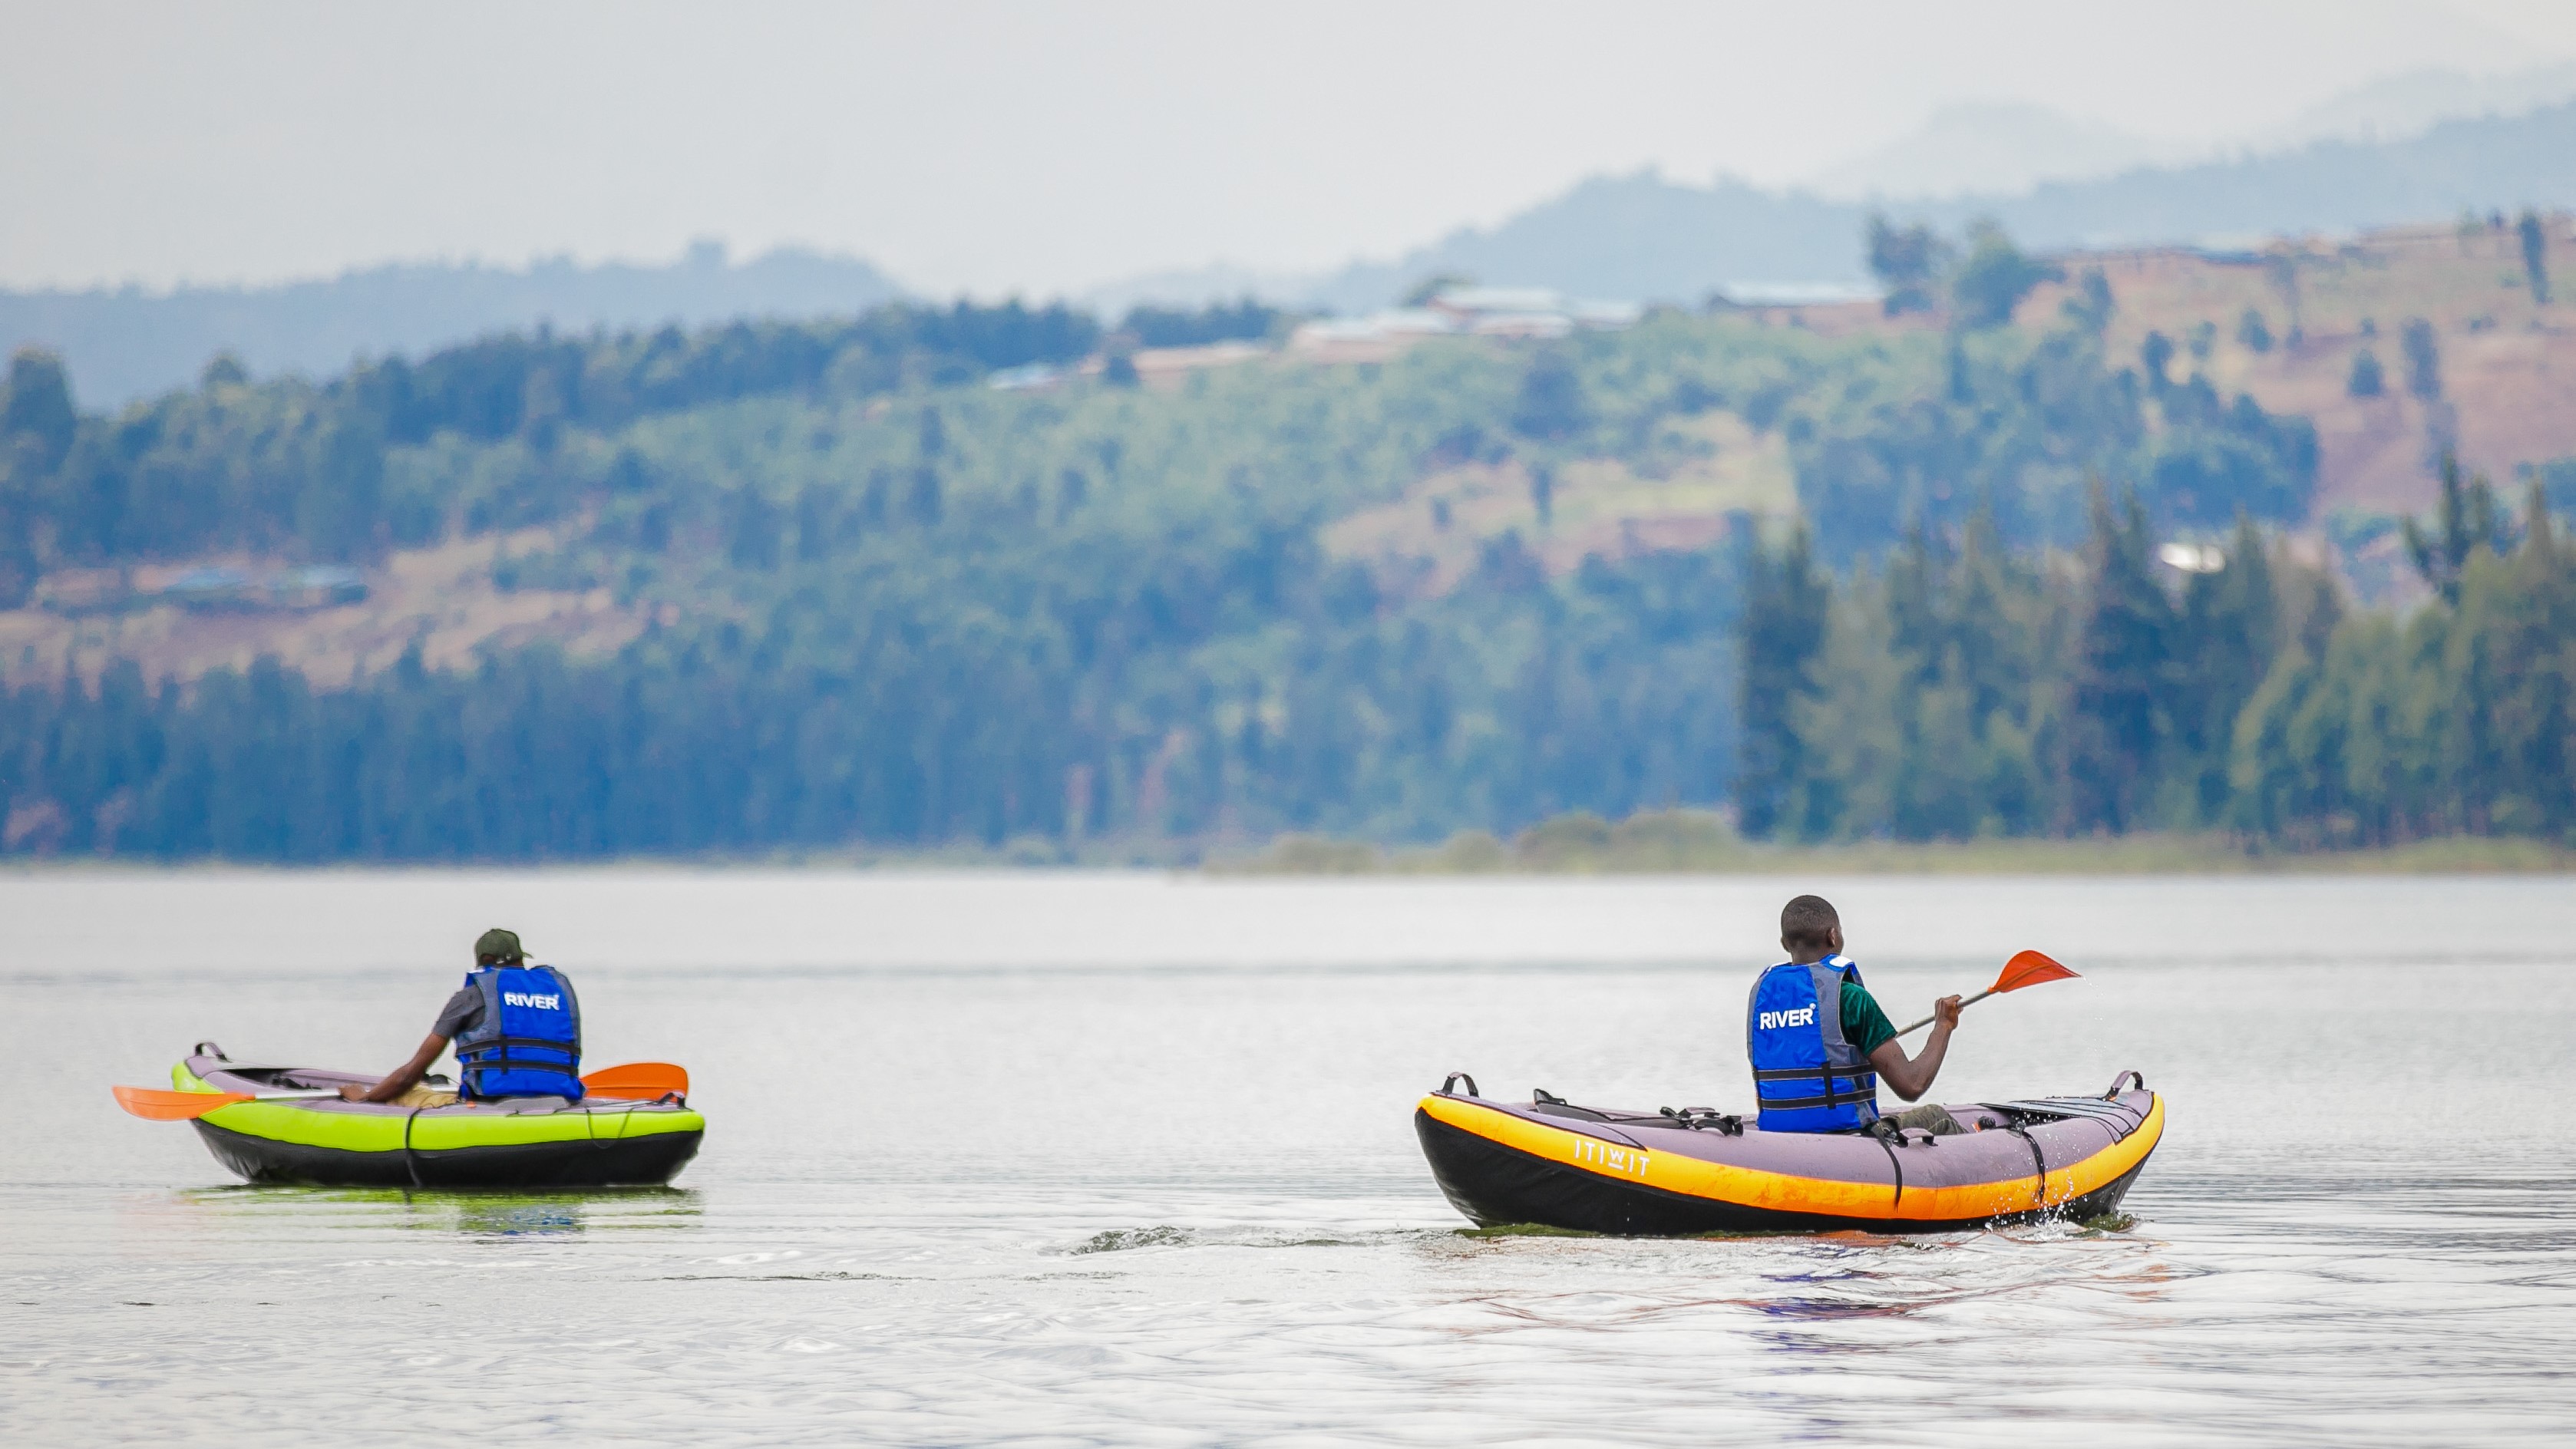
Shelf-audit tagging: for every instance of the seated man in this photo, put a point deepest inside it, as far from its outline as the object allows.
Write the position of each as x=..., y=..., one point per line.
x=517, y=1030
x=1819, y=1043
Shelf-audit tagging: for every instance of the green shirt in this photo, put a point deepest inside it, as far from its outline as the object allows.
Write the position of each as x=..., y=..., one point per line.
x=1864, y=1025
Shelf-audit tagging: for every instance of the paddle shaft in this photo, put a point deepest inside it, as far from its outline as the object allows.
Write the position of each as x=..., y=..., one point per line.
x=612, y=1090
x=1964, y=1003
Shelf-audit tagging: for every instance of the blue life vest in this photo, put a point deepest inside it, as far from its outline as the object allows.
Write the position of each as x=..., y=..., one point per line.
x=528, y=1043
x=1806, y=1077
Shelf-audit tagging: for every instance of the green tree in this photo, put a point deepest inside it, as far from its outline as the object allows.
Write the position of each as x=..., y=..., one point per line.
x=2252, y=332
x=1909, y=263
x=36, y=412
x=2523, y=607
x=2465, y=521
x=2092, y=306
x=1786, y=607
x=2123, y=670
x=2535, y=255
x=2274, y=765
x=1551, y=404
x=1999, y=624
x=1994, y=277
x=2458, y=719
x=1851, y=730
x=2423, y=358
x=2155, y=355
x=340, y=506
x=2281, y=269
x=2229, y=631
x=2365, y=379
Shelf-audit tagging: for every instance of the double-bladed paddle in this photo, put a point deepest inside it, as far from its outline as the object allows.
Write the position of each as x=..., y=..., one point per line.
x=2026, y=968
x=634, y=1081
x=642, y=1081
x=160, y=1104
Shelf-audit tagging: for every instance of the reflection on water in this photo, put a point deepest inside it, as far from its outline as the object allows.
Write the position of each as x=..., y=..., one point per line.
x=504, y=1214
x=319, y=1210
x=1023, y=1203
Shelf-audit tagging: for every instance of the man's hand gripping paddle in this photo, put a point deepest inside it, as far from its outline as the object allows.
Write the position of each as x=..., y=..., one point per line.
x=2026, y=968
x=635, y=1081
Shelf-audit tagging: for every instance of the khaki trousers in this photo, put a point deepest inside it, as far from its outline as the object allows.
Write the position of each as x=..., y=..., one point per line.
x=1933, y=1118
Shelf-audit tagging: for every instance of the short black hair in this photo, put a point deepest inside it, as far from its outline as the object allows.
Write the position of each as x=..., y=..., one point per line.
x=1807, y=923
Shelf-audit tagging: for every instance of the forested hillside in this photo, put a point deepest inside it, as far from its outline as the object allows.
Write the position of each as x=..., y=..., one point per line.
x=400, y=453
x=880, y=603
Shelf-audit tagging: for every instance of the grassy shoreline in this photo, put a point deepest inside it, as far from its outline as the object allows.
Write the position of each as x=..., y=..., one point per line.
x=1688, y=842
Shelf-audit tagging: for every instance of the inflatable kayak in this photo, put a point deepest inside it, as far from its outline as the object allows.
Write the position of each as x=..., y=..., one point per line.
x=520, y=1142
x=1669, y=1173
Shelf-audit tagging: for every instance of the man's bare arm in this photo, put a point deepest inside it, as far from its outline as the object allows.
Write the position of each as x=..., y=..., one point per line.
x=1910, y=1077
x=408, y=1075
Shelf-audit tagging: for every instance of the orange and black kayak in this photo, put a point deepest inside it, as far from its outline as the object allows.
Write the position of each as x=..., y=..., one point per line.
x=1675, y=1173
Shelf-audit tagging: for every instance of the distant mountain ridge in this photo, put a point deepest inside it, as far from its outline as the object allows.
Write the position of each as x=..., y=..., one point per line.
x=123, y=344
x=1996, y=150
x=2399, y=106
x=1639, y=237
x=1645, y=238
x=2008, y=148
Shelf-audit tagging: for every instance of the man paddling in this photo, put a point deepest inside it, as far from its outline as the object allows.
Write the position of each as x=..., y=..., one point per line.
x=517, y=1031
x=1820, y=1045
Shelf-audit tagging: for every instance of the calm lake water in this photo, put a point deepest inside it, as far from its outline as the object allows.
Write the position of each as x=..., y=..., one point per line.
x=1081, y=1159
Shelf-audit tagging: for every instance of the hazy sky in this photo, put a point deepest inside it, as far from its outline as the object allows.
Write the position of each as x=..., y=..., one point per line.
x=984, y=146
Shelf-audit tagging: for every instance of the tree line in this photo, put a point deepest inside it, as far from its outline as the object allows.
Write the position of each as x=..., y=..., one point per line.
x=887, y=714
x=1963, y=690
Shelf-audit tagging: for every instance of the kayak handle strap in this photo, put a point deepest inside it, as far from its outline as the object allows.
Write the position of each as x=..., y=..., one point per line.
x=2132, y=1075
x=1450, y=1082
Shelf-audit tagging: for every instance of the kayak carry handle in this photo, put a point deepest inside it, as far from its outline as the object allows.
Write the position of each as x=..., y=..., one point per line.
x=208, y=1049
x=1453, y=1079
x=2132, y=1075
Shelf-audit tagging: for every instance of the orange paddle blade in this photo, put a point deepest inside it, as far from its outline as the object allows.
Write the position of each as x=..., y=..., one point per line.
x=641, y=1081
x=2028, y=968
x=162, y=1105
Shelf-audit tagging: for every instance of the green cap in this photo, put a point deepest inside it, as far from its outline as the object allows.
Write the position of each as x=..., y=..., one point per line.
x=500, y=945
